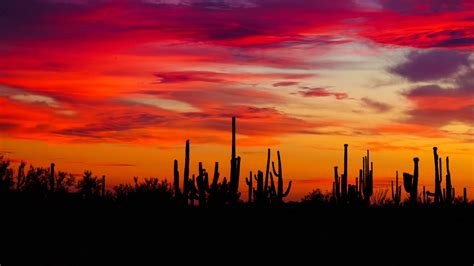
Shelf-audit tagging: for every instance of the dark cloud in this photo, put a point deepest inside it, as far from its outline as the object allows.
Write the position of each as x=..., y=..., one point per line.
x=285, y=83
x=431, y=65
x=463, y=87
x=376, y=105
x=322, y=92
x=441, y=117
x=115, y=122
x=187, y=76
x=257, y=121
x=217, y=96
x=7, y=126
x=424, y=6
x=439, y=106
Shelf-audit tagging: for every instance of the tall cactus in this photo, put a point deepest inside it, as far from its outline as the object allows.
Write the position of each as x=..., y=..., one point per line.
x=234, y=169
x=279, y=194
x=177, y=191
x=449, y=188
x=336, y=184
x=267, y=172
x=368, y=178
x=344, y=176
x=248, y=181
x=410, y=182
x=184, y=195
x=186, y=180
x=438, y=179
x=396, y=194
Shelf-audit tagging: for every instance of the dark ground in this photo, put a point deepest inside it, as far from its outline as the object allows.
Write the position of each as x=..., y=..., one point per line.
x=78, y=233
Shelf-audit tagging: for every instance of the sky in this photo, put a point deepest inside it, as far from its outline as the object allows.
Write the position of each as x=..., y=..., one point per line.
x=117, y=87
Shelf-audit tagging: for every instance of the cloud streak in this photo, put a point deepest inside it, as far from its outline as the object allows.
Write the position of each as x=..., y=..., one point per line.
x=375, y=105
x=322, y=92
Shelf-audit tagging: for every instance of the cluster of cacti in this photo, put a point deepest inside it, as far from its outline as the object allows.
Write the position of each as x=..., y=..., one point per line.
x=397, y=192
x=366, y=179
x=224, y=192
x=441, y=195
x=410, y=182
x=360, y=191
x=340, y=182
x=266, y=192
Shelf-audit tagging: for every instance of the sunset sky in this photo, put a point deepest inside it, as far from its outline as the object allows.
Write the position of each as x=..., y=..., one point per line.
x=117, y=87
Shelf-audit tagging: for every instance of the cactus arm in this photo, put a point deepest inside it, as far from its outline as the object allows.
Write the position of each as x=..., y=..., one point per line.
x=440, y=170
x=215, y=179
x=273, y=168
x=267, y=171
x=287, y=189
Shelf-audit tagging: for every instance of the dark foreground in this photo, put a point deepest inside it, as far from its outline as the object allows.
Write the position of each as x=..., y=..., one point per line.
x=76, y=233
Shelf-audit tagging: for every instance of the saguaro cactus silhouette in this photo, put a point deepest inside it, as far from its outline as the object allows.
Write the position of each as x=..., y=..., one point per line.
x=336, y=185
x=248, y=181
x=177, y=192
x=234, y=169
x=267, y=176
x=438, y=197
x=396, y=194
x=184, y=195
x=410, y=182
x=344, y=176
x=367, y=184
x=216, y=191
x=186, y=181
x=449, y=188
x=279, y=194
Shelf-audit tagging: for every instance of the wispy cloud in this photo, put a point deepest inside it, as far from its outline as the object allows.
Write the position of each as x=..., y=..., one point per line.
x=322, y=92
x=375, y=105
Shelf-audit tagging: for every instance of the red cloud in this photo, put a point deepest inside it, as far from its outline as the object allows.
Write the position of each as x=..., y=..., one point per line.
x=80, y=66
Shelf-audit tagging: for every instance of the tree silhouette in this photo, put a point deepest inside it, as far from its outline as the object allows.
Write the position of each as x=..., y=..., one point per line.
x=89, y=186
